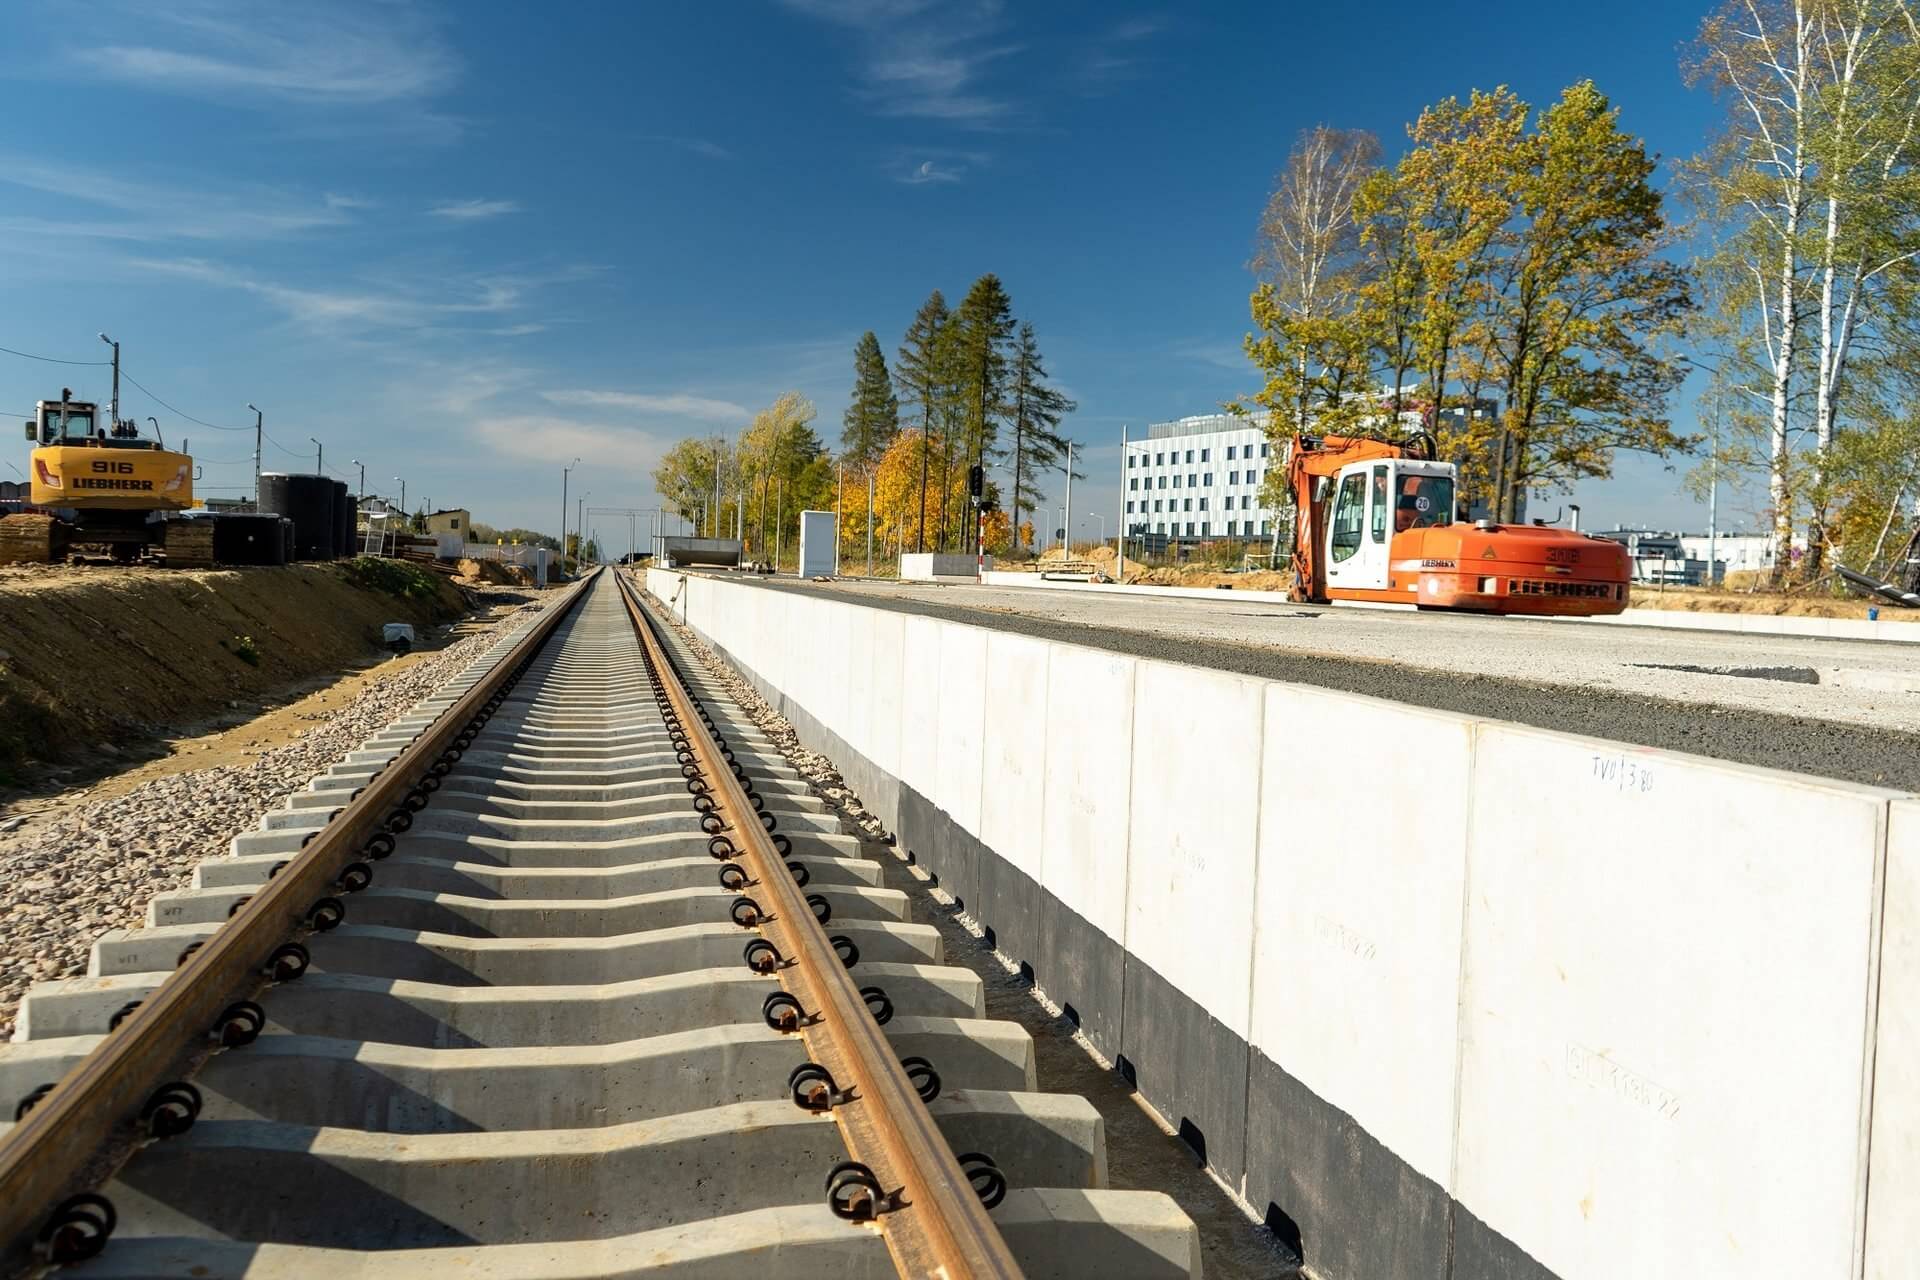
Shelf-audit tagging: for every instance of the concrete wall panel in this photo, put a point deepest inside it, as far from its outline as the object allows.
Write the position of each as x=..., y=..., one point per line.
x=1356, y=960
x=1015, y=751
x=1893, y=1183
x=919, y=703
x=1194, y=807
x=858, y=664
x=1665, y=1010
x=960, y=724
x=887, y=675
x=1088, y=782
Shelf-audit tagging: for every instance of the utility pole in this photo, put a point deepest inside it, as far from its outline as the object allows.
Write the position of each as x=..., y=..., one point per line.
x=1066, y=520
x=258, y=431
x=869, y=522
x=360, y=500
x=319, y=454
x=116, y=380
x=719, y=443
x=779, y=514
x=563, y=505
x=580, y=528
x=1120, y=539
x=839, y=509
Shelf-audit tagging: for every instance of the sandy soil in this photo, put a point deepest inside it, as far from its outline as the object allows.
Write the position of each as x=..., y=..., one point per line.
x=112, y=655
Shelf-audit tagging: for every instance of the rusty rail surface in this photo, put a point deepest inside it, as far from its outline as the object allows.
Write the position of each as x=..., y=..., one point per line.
x=76, y=1136
x=921, y=1198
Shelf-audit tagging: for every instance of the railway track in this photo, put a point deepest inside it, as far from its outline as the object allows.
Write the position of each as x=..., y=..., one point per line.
x=565, y=974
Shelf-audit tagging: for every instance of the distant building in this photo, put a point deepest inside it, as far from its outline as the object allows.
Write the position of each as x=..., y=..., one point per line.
x=455, y=520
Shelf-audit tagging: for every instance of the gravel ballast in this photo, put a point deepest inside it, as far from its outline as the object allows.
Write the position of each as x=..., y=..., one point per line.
x=65, y=882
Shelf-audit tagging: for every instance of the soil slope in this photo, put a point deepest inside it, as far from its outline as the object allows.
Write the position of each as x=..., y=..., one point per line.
x=104, y=655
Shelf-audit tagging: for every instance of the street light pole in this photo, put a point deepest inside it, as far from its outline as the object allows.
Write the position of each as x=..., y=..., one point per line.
x=1066, y=520
x=360, y=499
x=319, y=456
x=258, y=431
x=564, y=472
x=116, y=379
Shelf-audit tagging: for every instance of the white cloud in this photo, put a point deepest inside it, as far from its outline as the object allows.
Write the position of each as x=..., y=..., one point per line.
x=923, y=59
x=351, y=53
x=473, y=210
x=394, y=305
x=144, y=207
x=675, y=405
x=337, y=201
x=929, y=171
x=605, y=450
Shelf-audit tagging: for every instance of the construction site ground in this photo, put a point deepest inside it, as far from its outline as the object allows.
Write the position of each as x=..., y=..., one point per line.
x=100, y=666
x=1738, y=597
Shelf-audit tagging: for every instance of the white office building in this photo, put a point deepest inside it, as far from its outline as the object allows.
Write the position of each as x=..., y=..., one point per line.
x=1199, y=478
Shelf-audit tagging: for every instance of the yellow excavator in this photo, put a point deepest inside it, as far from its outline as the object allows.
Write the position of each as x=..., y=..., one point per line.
x=102, y=490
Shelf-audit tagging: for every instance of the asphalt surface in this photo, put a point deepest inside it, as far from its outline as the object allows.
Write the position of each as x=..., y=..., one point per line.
x=1835, y=709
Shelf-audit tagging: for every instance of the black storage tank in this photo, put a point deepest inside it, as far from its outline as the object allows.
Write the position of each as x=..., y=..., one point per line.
x=308, y=502
x=246, y=538
x=343, y=516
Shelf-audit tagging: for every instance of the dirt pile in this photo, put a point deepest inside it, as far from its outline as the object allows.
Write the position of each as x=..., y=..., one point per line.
x=91, y=656
x=1771, y=603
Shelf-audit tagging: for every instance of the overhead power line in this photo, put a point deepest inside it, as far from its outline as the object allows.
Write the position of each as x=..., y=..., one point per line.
x=213, y=426
x=28, y=355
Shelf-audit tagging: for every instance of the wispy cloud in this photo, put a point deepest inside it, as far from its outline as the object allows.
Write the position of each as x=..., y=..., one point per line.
x=696, y=146
x=924, y=58
x=676, y=404
x=1116, y=55
x=929, y=171
x=334, y=53
x=337, y=57
x=625, y=452
x=334, y=200
x=474, y=210
x=1219, y=354
x=347, y=311
x=99, y=205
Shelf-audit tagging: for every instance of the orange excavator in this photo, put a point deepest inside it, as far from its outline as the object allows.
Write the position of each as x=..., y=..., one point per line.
x=1375, y=522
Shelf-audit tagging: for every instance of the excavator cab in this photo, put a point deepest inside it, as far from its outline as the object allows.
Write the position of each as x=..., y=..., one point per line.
x=64, y=421
x=1373, y=503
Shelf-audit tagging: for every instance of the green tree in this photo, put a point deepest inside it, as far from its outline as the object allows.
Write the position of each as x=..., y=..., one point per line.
x=684, y=476
x=873, y=416
x=983, y=330
x=920, y=382
x=1036, y=410
x=1579, y=295
x=784, y=468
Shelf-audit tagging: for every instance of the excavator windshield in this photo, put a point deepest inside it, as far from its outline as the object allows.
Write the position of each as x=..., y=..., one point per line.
x=1423, y=501
x=78, y=424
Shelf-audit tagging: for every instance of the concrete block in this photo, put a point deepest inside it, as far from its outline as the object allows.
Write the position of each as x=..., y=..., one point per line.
x=1087, y=783
x=886, y=675
x=919, y=702
x=1356, y=958
x=961, y=721
x=1666, y=1007
x=941, y=568
x=1014, y=750
x=1893, y=1172
x=1194, y=807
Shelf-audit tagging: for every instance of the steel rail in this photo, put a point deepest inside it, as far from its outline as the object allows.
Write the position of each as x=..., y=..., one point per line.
x=77, y=1135
x=929, y=1212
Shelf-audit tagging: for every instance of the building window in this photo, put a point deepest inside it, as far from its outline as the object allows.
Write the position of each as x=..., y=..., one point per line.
x=1159, y=459
x=1229, y=453
x=1207, y=479
x=1189, y=505
x=1263, y=526
x=1204, y=526
x=1233, y=477
x=1133, y=482
x=1204, y=454
x=1156, y=504
x=1189, y=455
x=1159, y=528
x=1263, y=450
x=1129, y=508
x=1161, y=482
x=1378, y=525
x=1233, y=527
x=1193, y=481
x=1203, y=504
x=1189, y=528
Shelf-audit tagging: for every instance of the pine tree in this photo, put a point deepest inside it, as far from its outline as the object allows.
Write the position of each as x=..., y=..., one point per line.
x=917, y=376
x=1035, y=410
x=983, y=330
x=873, y=416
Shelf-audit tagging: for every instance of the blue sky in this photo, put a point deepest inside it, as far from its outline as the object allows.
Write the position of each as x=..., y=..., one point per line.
x=467, y=242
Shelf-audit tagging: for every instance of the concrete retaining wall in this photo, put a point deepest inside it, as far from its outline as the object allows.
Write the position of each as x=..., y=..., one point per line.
x=1442, y=997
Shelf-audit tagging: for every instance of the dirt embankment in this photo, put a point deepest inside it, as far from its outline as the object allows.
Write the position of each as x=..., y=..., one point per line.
x=91, y=656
